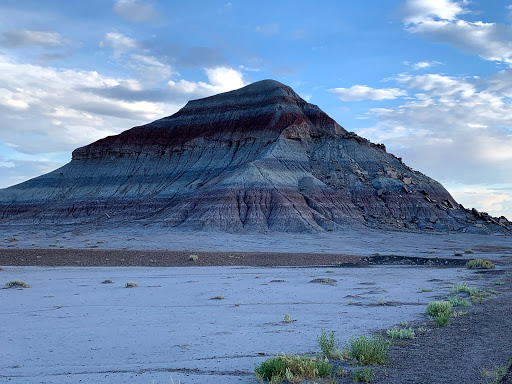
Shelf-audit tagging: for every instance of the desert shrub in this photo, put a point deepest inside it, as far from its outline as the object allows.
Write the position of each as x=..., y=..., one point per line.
x=469, y=251
x=480, y=264
x=458, y=302
x=362, y=375
x=193, y=258
x=131, y=284
x=400, y=333
x=218, y=297
x=329, y=344
x=367, y=350
x=464, y=288
x=288, y=319
x=108, y=281
x=293, y=369
x=16, y=284
x=440, y=311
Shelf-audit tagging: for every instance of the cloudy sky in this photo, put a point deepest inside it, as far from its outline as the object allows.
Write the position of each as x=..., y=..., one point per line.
x=431, y=79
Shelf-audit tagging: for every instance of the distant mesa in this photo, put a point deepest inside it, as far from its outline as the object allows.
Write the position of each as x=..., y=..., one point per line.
x=256, y=159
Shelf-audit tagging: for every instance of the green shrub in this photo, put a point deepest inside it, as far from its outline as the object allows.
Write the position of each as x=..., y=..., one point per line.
x=440, y=311
x=372, y=350
x=193, y=258
x=328, y=344
x=458, y=302
x=479, y=264
x=437, y=308
x=17, y=284
x=362, y=375
x=464, y=288
x=400, y=333
x=469, y=251
x=293, y=369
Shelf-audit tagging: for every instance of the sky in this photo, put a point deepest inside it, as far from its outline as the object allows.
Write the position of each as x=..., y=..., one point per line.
x=431, y=79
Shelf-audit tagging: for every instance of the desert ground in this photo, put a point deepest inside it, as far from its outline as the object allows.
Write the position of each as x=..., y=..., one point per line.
x=212, y=318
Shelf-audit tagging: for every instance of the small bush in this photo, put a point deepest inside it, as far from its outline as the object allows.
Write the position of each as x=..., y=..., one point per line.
x=219, y=297
x=464, y=288
x=131, y=284
x=293, y=369
x=400, y=333
x=479, y=264
x=17, y=284
x=469, y=251
x=443, y=320
x=328, y=344
x=193, y=258
x=421, y=290
x=458, y=302
x=1, y=268
x=372, y=350
x=108, y=281
x=437, y=308
x=362, y=375
x=288, y=319
x=440, y=311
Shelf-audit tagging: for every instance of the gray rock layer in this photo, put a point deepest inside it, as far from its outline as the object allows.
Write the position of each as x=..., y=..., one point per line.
x=259, y=158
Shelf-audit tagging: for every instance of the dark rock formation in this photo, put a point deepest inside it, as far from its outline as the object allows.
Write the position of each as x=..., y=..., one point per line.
x=258, y=158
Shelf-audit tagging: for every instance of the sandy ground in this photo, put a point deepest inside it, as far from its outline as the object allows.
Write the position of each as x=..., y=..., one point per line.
x=361, y=242
x=69, y=326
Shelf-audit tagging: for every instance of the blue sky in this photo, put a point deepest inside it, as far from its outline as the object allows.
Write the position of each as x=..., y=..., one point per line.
x=431, y=79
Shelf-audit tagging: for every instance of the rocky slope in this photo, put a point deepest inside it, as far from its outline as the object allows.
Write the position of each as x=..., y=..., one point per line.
x=259, y=158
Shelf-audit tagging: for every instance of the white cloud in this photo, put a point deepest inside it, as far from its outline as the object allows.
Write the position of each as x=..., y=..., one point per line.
x=221, y=79
x=418, y=11
x=25, y=38
x=495, y=200
x=424, y=65
x=45, y=109
x=438, y=20
x=135, y=10
x=142, y=64
x=119, y=42
x=362, y=92
x=455, y=129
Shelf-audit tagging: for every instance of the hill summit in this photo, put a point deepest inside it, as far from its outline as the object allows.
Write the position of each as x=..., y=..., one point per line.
x=256, y=159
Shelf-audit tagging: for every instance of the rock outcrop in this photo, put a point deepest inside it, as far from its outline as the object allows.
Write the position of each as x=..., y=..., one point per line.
x=259, y=158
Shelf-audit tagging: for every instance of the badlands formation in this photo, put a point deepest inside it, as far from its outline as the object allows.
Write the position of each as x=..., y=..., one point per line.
x=256, y=159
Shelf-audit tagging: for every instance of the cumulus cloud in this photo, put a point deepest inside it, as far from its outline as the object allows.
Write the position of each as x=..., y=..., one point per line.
x=221, y=79
x=362, y=92
x=135, y=10
x=119, y=42
x=455, y=129
x=138, y=59
x=439, y=21
x=418, y=11
x=27, y=38
x=46, y=110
